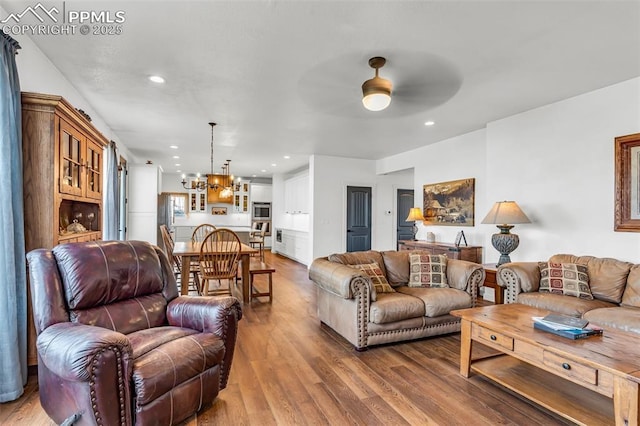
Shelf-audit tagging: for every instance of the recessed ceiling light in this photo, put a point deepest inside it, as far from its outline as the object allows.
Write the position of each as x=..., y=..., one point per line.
x=254, y=175
x=173, y=146
x=263, y=171
x=178, y=171
x=177, y=164
x=156, y=79
x=176, y=156
x=273, y=164
x=429, y=123
x=286, y=157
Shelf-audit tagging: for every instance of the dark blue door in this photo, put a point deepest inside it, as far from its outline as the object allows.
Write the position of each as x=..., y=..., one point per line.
x=358, y=218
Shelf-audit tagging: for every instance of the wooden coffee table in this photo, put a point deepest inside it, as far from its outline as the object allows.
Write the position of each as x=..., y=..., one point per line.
x=589, y=381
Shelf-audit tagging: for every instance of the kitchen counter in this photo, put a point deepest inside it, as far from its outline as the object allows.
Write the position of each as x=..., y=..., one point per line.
x=183, y=233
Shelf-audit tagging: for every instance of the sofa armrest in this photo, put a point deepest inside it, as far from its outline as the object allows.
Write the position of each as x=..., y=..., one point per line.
x=518, y=277
x=467, y=276
x=69, y=349
x=216, y=315
x=339, y=279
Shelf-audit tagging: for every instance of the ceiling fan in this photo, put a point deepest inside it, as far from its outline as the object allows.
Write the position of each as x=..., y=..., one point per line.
x=414, y=81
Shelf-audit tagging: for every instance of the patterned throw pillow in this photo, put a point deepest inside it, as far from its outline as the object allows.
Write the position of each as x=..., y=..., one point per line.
x=427, y=270
x=375, y=274
x=569, y=279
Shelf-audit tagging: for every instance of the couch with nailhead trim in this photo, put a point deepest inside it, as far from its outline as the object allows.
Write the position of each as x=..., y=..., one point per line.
x=116, y=344
x=349, y=304
x=614, y=285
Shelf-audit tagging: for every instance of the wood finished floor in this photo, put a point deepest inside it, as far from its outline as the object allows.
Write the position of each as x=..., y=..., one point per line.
x=289, y=369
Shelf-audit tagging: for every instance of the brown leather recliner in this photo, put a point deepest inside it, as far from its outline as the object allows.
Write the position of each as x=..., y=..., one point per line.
x=116, y=344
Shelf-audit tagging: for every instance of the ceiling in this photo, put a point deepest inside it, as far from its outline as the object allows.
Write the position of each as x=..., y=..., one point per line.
x=283, y=77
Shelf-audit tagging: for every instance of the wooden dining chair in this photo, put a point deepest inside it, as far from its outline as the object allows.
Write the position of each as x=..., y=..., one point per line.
x=256, y=239
x=219, y=258
x=201, y=231
x=167, y=241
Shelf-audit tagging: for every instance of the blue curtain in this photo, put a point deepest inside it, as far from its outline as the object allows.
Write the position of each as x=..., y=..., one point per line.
x=13, y=282
x=111, y=207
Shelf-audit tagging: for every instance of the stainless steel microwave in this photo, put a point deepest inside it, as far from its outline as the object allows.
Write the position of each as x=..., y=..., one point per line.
x=261, y=211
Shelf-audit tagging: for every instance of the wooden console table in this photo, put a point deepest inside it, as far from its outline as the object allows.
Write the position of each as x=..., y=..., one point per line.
x=589, y=381
x=469, y=253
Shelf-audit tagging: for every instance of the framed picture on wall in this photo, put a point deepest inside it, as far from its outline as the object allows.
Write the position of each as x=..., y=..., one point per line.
x=449, y=203
x=627, y=177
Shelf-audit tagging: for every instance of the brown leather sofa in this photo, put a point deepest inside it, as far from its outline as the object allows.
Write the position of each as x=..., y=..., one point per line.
x=348, y=303
x=615, y=286
x=116, y=344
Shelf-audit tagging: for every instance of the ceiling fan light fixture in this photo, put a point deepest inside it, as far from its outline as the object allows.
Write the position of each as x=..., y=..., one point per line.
x=376, y=92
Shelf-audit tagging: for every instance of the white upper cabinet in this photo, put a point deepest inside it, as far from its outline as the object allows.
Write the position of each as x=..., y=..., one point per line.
x=296, y=194
x=261, y=193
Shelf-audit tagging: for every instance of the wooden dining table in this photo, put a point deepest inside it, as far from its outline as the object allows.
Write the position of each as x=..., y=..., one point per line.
x=189, y=251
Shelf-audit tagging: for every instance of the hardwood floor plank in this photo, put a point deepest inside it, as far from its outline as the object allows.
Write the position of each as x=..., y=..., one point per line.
x=289, y=369
x=395, y=399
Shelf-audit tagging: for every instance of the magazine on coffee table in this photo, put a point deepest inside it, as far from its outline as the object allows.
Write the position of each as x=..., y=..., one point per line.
x=565, y=331
x=566, y=320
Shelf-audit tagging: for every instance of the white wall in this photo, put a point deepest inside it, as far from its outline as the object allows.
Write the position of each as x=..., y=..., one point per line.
x=38, y=74
x=329, y=177
x=556, y=161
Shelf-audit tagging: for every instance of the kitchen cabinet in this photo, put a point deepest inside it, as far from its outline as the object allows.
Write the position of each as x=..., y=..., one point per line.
x=261, y=193
x=296, y=194
x=62, y=176
x=294, y=245
x=241, y=197
x=197, y=201
x=183, y=233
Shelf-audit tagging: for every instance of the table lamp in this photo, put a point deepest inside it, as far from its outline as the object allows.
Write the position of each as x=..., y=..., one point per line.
x=502, y=214
x=415, y=214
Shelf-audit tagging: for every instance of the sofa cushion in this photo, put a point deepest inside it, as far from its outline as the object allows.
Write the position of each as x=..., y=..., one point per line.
x=428, y=270
x=390, y=307
x=631, y=295
x=375, y=274
x=569, y=279
x=622, y=318
x=396, y=263
x=562, y=304
x=607, y=277
x=438, y=301
x=358, y=258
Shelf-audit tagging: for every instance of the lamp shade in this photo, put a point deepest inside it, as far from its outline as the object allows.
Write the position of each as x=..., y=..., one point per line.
x=505, y=212
x=415, y=213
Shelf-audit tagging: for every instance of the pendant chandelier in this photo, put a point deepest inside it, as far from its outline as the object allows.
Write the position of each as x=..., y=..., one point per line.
x=225, y=187
x=227, y=180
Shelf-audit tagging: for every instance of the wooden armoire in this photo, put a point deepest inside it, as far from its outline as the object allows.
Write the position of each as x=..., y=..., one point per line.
x=63, y=177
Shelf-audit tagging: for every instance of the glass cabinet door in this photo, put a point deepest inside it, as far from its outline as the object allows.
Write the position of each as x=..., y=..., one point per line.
x=71, y=161
x=94, y=170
